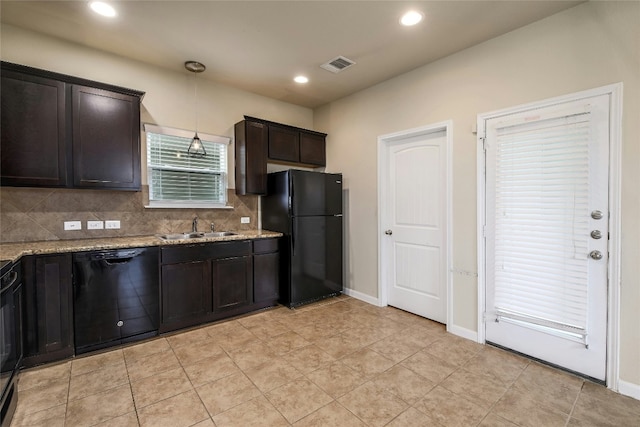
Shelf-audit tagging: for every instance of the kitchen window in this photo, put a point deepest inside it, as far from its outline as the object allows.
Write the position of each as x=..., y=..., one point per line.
x=181, y=180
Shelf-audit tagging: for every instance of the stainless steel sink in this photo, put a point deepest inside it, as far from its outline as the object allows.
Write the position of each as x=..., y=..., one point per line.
x=181, y=236
x=198, y=235
x=219, y=234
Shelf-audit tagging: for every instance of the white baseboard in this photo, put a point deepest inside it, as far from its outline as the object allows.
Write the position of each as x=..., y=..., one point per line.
x=629, y=389
x=361, y=296
x=463, y=332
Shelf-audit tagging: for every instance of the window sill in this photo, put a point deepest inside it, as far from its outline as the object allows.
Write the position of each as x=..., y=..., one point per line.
x=183, y=205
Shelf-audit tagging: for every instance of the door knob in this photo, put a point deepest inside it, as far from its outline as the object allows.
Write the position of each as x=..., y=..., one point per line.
x=596, y=234
x=596, y=214
x=595, y=254
x=388, y=232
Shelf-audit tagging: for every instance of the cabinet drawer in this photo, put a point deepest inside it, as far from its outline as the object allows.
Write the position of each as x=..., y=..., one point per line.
x=184, y=253
x=204, y=251
x=265, y=245
x=230, y=249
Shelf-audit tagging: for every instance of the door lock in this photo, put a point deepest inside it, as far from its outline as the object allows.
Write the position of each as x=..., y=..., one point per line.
x=388, y=232
x=595, y=254
x=596, y=234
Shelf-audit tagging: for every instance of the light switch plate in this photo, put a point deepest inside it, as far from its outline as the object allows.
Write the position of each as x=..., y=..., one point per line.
x=245, y=220
x=112, y=225
x=95, y=225
x=73, y=225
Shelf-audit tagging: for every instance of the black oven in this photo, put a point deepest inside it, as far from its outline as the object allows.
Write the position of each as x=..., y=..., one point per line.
x=10, y=337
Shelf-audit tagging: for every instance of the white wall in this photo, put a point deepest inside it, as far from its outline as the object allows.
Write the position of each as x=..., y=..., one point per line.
x=169, y=99
x=591, y=45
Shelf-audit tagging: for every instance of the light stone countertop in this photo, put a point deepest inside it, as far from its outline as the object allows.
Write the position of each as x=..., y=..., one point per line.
x=13, y=251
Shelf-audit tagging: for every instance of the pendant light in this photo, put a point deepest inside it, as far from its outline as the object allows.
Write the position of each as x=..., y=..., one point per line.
x=196, y=148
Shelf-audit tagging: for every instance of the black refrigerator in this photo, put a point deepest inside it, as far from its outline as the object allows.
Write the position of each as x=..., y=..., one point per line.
x=307, y=208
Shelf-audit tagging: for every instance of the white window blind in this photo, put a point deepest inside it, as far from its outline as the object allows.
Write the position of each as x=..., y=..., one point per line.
x=541, y=222
x=177, y=179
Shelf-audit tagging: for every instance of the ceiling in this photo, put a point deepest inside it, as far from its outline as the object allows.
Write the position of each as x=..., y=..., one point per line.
x=259, y=46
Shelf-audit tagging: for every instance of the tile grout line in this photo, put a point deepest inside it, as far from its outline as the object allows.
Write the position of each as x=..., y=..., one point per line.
x=66, y=407
x=498, y=400
x=575, y=402
x=191, y=382
x=236, y=365
x=133, y=399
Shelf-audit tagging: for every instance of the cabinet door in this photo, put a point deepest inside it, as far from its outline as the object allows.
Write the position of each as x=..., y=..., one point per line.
x=232, y=282
x=284, y=144
x=186, y=292
x=106, y=139
x=48, y=307
x=251, y=157
x=312, y=149
x=33, y=149
x=266, y=277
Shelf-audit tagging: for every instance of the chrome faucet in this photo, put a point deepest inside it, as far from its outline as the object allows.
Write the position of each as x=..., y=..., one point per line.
x=213, y=227
x=194, y=225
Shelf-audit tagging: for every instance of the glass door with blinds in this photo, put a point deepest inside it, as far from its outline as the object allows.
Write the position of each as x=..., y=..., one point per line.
x=546, y=233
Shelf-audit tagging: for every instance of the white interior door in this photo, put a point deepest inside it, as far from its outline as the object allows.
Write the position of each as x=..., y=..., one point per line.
x=413, y=202
x=547, y=233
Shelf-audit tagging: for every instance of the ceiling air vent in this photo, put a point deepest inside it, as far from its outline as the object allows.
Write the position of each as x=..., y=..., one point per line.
x=337, y=64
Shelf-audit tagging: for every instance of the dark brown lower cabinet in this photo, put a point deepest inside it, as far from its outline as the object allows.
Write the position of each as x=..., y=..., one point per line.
x=186, y=292
x=266, y=271
x=232, y=283
x=48, y=308
x=205, y=282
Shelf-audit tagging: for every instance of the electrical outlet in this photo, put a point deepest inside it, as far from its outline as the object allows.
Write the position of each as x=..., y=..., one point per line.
x=112, y=225
x=245, y=220
x=95, y=225
x=73, y=225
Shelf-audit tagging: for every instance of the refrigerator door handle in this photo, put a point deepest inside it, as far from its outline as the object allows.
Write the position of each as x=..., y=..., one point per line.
x=293, y=239
x=291, y=199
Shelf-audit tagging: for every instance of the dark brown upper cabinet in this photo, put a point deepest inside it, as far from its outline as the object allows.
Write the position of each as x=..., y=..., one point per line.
x=34, y=139
x=291, y=145
x=251, y=139
x=106, y=139
x=284, y=144
x=259, y=142
x=312, y=148
x=63, y=131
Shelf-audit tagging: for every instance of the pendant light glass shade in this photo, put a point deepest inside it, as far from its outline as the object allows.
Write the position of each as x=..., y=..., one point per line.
x=196, y=148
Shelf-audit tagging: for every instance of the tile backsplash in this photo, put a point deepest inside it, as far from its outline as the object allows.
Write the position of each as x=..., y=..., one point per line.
x=34, y=214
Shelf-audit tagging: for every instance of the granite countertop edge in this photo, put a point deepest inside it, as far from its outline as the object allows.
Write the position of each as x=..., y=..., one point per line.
x=14, y=251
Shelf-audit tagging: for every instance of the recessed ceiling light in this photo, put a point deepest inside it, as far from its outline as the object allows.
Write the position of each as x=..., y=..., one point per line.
x=411, y=18
x=103, y=9
x=301, y=79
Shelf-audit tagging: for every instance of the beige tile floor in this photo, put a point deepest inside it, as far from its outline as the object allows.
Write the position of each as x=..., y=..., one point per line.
x=340, y=362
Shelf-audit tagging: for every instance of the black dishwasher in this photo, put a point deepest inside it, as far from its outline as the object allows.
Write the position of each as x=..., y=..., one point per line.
x=116, y=297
